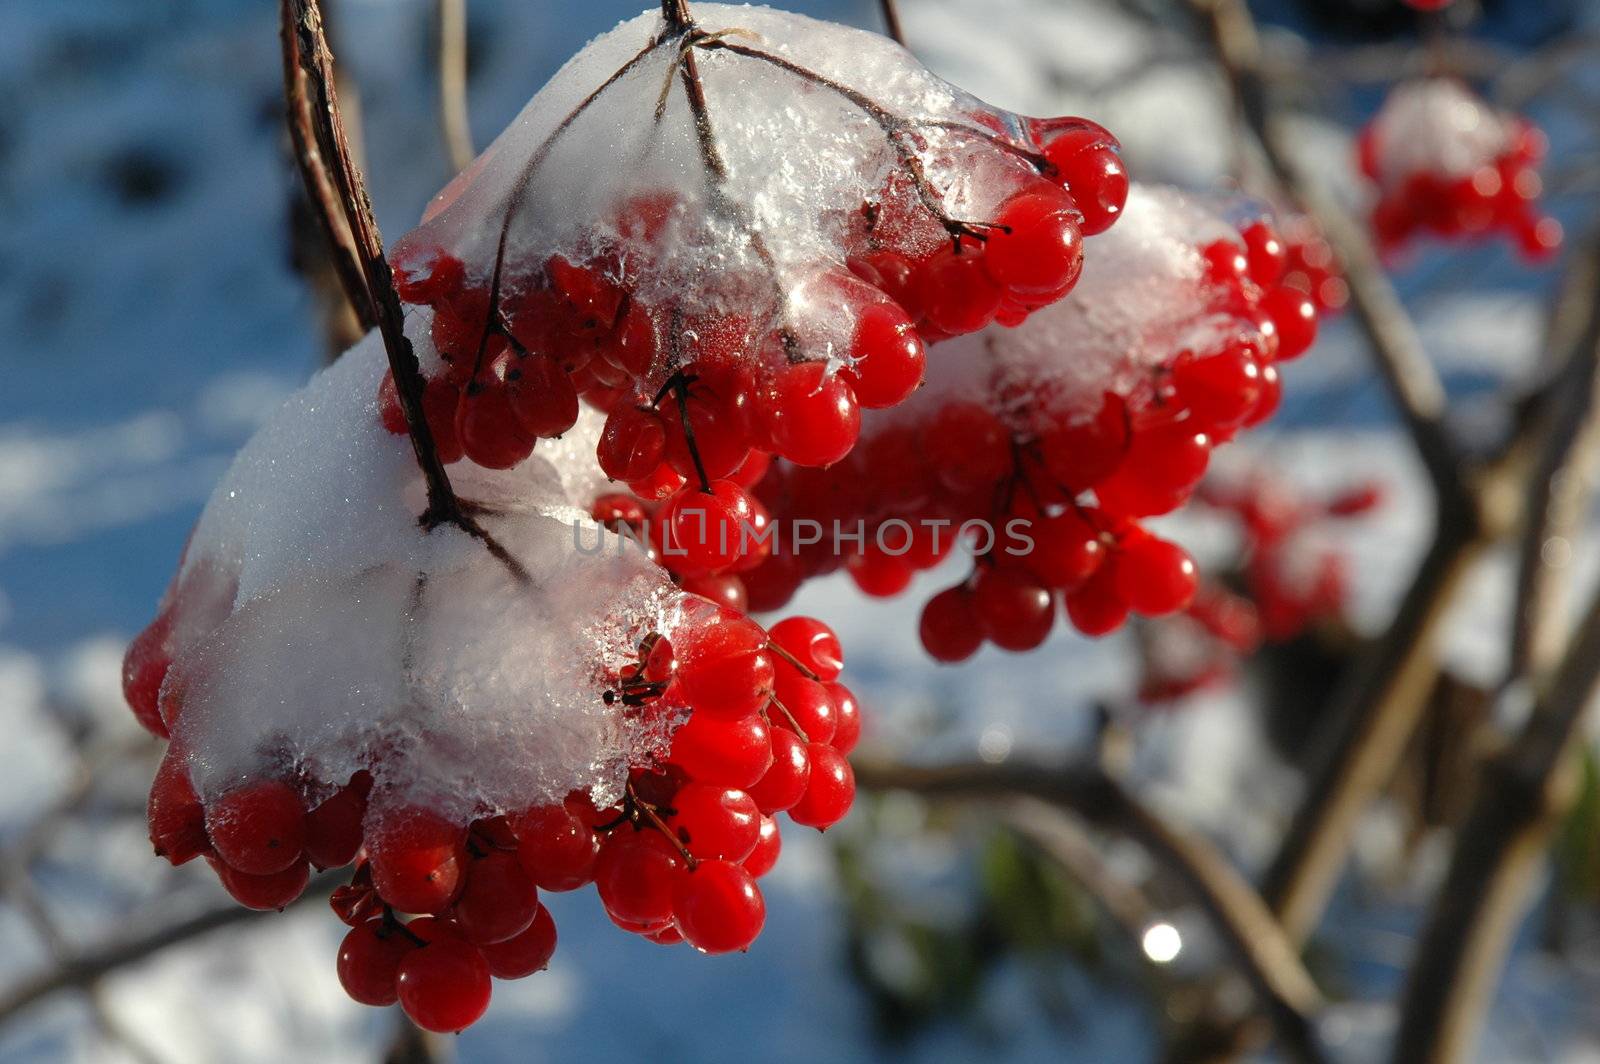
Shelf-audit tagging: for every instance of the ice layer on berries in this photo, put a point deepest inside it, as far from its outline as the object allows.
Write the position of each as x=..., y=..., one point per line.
x=1438, y=126
x=316, y=628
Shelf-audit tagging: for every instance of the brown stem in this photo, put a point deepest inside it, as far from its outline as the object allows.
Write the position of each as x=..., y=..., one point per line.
x=306, y=49
x=1246, y=927
x=1495, y=866
x=454, y=118
x=321, y=195
x=891, y=22
x=90, y=966
x=676, y=15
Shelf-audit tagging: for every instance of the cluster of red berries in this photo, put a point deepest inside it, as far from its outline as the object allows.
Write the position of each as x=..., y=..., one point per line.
x=1292, y=581
x=1310, y=265
x=518, y=347
x=1081, y=484
x=759, y=725
x=1481, y=180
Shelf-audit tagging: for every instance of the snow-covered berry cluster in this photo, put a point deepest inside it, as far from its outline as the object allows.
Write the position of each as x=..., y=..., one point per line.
x=469, y=717
x=1047, y=443
x=1449, y=164
x=789, y=211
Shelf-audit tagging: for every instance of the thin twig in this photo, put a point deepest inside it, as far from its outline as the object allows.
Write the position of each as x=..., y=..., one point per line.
x=89, y=967
x=1243, y=923
x=454, y=118
x=891, y=22
x=306, y=51
x=321, y=195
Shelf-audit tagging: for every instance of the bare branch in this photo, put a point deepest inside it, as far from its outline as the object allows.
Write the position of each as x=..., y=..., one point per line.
x=1243, y=922
x=1495, y=865
x=454, y=121
x=89, y=967
x=1375, y=712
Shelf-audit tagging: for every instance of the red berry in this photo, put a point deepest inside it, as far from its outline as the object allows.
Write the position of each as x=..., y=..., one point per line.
x=1080, y=453
x=724, y=669
x=715, y=823
x=524, y=954
x=949, y=626
x=1266, y=253
x=967, y=447
x=1041, y=249
x=444, y=986
x=1219, y=389
x=489, y=432
x=785, y=781
x=847, y=718
x=888, y=357
x=811, y=414
x=807, y=702
x=1066, y=550
x=632, y=443
x=333, y=829
x=274, y=891
x=556, y=847
x=957, y=293
x=708, y=530
x=1015, y=613
x=830, y=789
x=729, y=753
x=1162, y=466
x=1292, y=311
x=259, y=828
x=769, y=842
x=177, y=820
x=1093, y=174
x=416, y=857
x=1096, y=609
x=144, y=666
x=718, y=908
x=810, y=642
x=879, y=573
x=541, y=396
x=369, y=961
x=1154, y=577
x=498, y=901
x=635, y=873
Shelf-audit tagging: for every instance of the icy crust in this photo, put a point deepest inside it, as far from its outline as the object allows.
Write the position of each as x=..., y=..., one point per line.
x=618, y=188
x=1143, y=298
x=318, y=630
x=1438, y=126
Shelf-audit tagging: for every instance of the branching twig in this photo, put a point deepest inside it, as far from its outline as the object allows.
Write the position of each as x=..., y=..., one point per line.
x=92, y=965
x=1495, y=865
x=454, y=121
x=1244, y=924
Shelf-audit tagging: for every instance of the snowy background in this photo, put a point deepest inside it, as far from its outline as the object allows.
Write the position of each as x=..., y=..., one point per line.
x=150, y=318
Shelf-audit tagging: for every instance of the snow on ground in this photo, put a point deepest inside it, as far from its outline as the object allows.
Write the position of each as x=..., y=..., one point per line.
x=150, y=320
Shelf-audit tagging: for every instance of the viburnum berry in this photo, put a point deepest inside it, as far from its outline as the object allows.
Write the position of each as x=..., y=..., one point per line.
x=258, y=829
x=444, y=985
x=810, y=643
x=784, y=782
x=717, y=907
x=1153, y=576
x=416, y=857
x=802, y=703
x=177, y=819
x=830, y=789
x=333, y=830
x=724, y=669
x=1092, y=173
x=1097, y=607
x=369, y=961
x=949, y=628
x=878, y=573
x=887, y=357
x=556, y=847
x=715, y=823
x=811, y=414
x=144, y=667
x=498, y=900
x=730, y=753
x=769, y=843
x=272, y=891
x=635, y=875
x=846, y=717
x=525, y=953
x=706, y=528
x=1015, y=613
x=633, y=443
